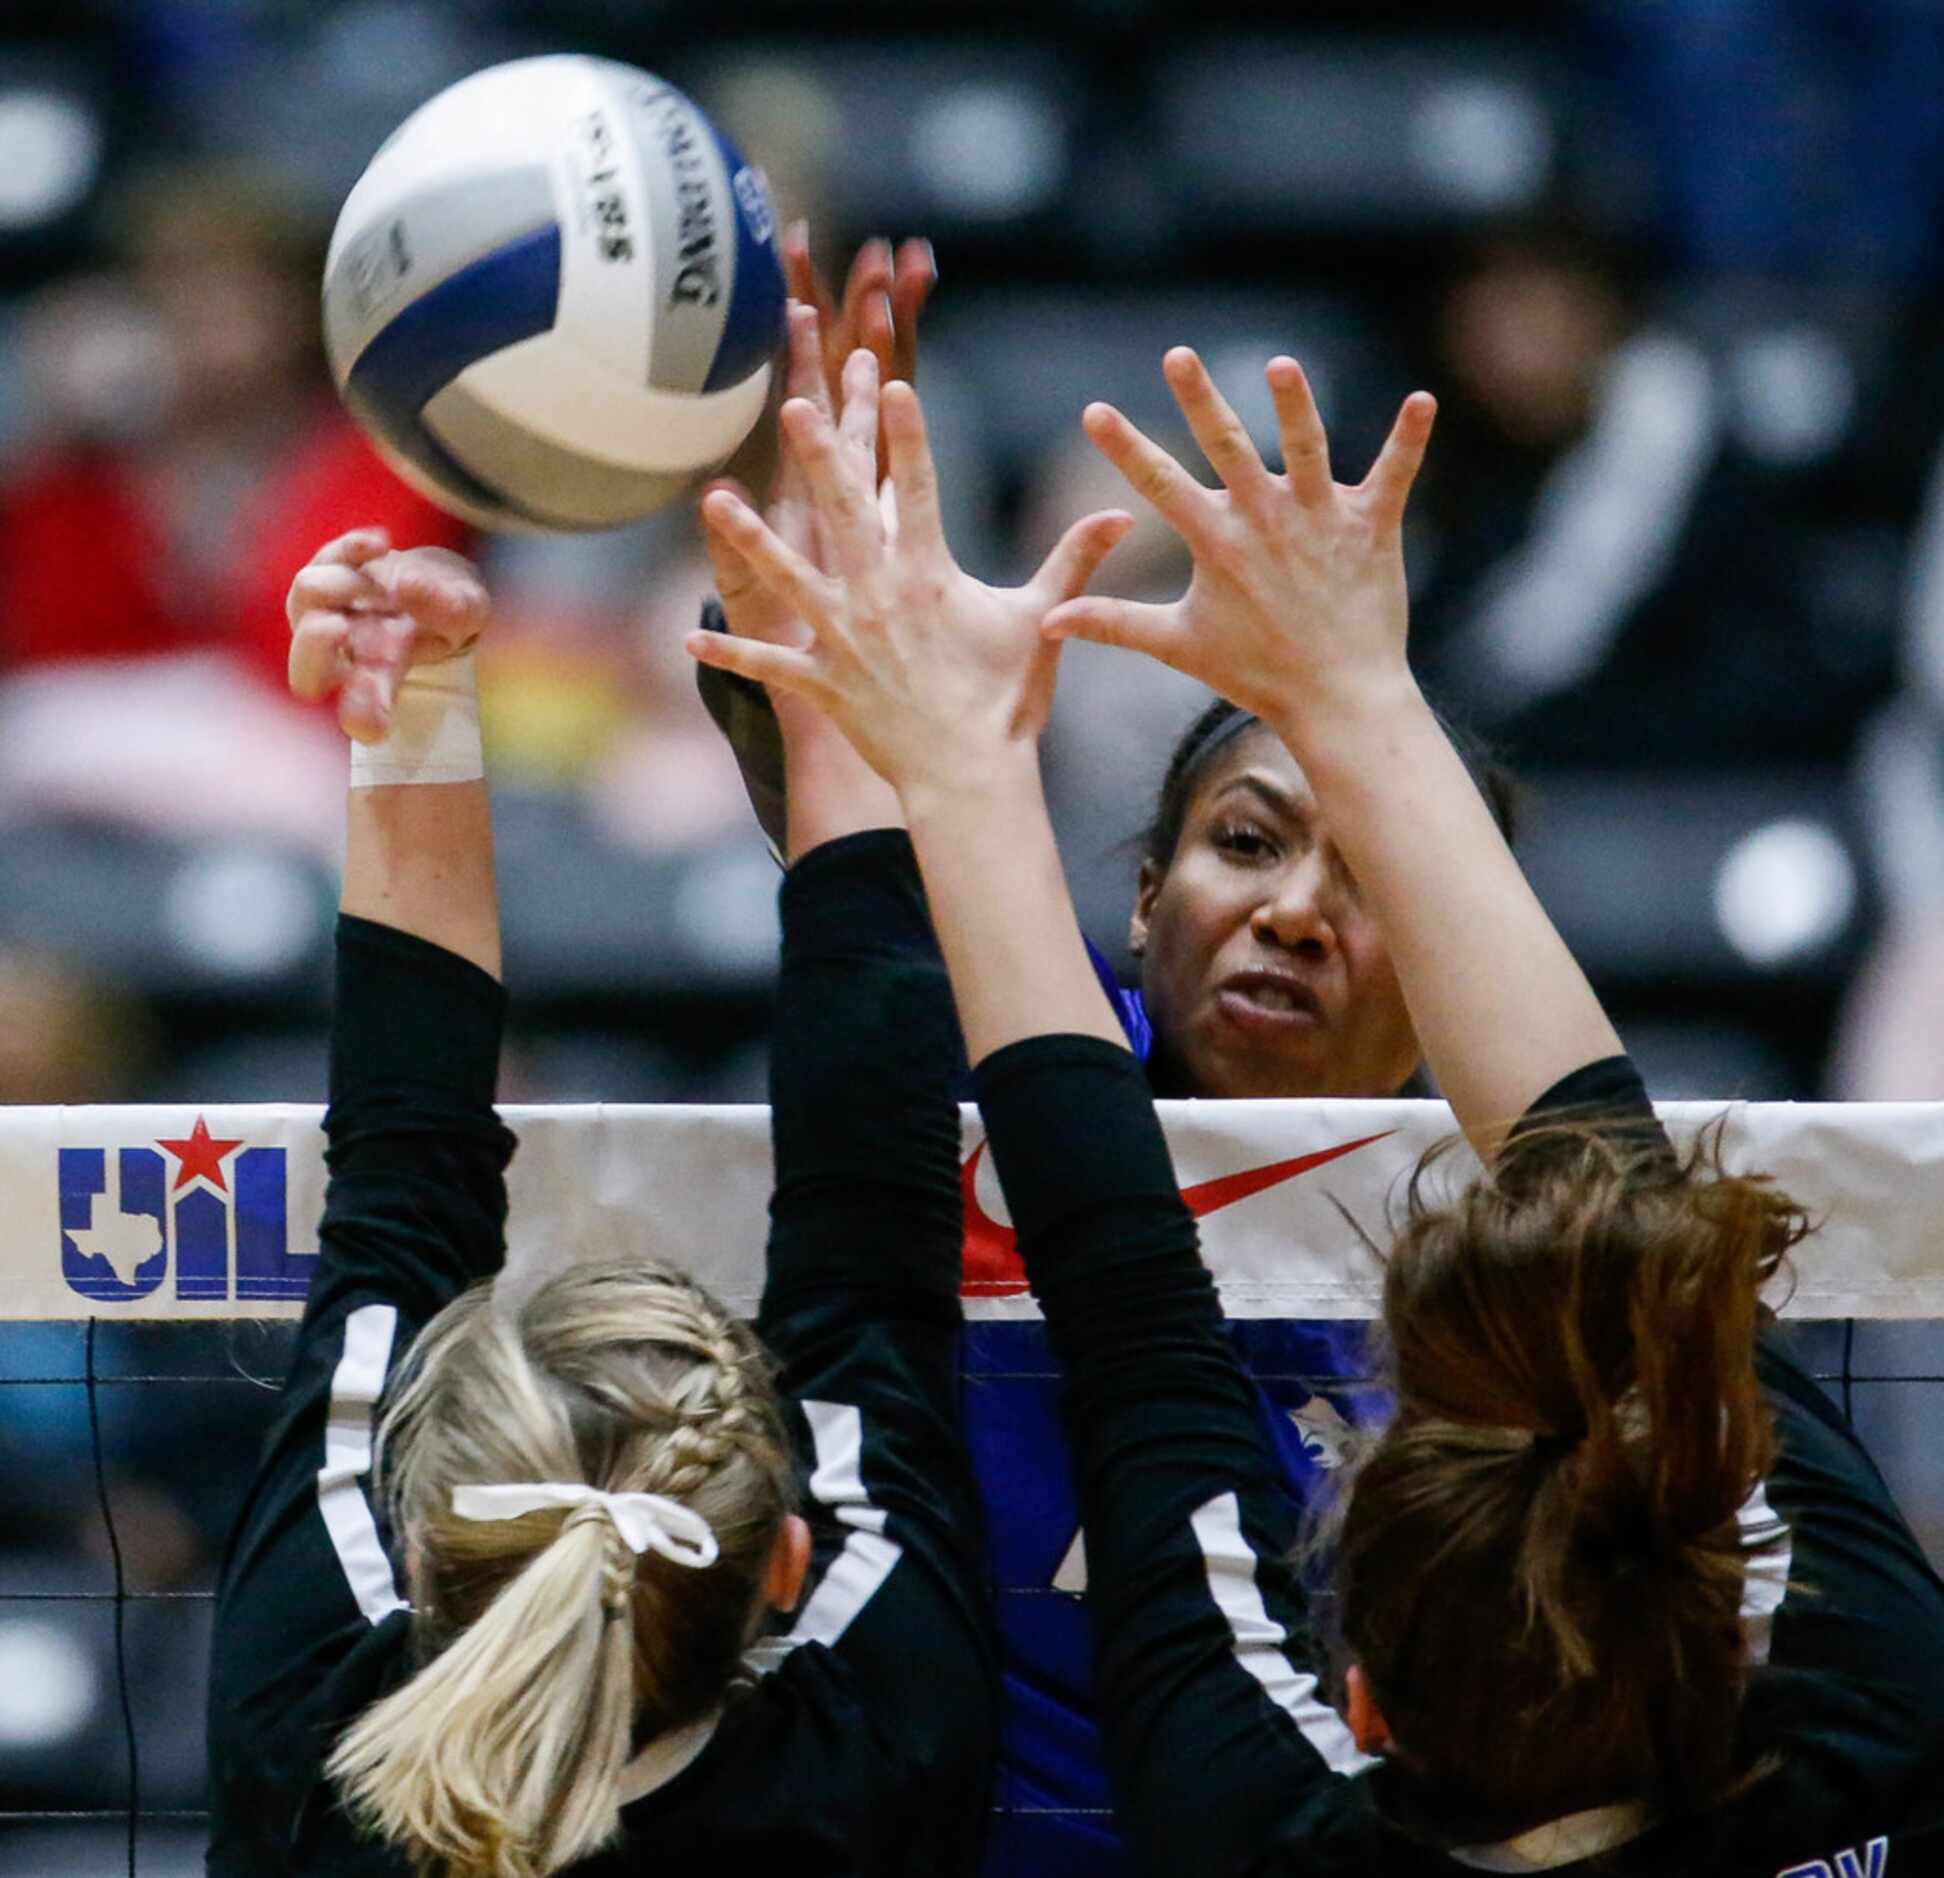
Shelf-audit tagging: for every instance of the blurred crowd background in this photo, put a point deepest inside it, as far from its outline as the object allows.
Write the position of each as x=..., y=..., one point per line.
x=1673, y=269
x=1672, y=266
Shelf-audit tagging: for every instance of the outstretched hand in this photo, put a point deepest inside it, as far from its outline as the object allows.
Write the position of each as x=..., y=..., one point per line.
x=752, y=610
x=929, y=672
x=362, y=614
x=884, y=294
x=830, y=790
x=1298, y=591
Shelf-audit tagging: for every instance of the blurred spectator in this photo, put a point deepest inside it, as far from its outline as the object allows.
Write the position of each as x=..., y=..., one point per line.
x=585, y=688
x=188, y=456
x=1890, y=1037
x=1597, y=577
x=1890, y=1042
x=1794, y=138
x=191, y=453
x=668, y=779
x=64, y=1039
x=184, y=743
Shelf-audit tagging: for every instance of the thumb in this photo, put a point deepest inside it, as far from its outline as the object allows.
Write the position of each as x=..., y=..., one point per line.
x=442, y=596
x=738, y=489
x=382, y=647
x=1138, y=626
x=1077, y=555
x=791, y=667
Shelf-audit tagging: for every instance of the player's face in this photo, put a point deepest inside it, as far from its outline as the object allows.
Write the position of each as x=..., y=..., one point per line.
x=1263, y=973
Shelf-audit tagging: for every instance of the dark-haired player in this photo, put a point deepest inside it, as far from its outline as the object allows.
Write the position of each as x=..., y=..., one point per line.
x=1618, y=1593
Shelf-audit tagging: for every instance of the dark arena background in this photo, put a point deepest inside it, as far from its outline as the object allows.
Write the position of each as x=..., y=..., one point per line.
x=1673, y=271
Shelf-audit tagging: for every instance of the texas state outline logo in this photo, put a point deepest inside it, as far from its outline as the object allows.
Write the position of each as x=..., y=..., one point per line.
x=214, y=1210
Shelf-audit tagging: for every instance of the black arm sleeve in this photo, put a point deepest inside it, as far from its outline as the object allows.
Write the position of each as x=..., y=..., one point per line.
x=1840, y=1601
x=310, y=1621
x=1216, y=1730
x=1607, y=1092
x=1858, y=1614
x=861, y=1308
x=1219, y=1736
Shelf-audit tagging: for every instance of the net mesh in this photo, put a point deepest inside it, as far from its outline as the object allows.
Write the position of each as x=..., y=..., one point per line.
x=146, y=1319
x=129, y=1445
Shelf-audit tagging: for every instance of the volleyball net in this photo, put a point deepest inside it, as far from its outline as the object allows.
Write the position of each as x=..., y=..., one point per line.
x=155, y=1260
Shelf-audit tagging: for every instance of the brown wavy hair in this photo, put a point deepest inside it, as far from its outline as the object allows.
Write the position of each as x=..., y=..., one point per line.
x=1539, y=1563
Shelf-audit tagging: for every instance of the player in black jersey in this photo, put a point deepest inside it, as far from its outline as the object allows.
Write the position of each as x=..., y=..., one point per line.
x=1261, y=974
x=1618, y=1592
x=544, y=1637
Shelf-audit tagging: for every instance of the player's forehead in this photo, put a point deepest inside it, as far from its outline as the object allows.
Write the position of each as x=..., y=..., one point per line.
x=1253, y=770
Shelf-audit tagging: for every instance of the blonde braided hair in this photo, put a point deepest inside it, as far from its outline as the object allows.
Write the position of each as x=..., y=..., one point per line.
x=498, y=1759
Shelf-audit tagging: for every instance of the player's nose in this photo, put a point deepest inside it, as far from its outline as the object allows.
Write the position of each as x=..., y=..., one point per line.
x=1297, y=911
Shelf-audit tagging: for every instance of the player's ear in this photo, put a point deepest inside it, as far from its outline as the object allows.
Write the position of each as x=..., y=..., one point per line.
x=1152, y=874
x=789, y=1564
x=1367, y=1724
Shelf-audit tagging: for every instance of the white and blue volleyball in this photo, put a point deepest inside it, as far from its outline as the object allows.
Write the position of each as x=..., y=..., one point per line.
x=553, y=300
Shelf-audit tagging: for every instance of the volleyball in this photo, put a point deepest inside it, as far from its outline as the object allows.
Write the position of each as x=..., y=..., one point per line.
x=553, y=298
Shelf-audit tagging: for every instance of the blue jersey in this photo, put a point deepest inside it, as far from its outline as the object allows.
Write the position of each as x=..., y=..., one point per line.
x=1129, y=1005
x=1054, y=1814
x=1053, y=1808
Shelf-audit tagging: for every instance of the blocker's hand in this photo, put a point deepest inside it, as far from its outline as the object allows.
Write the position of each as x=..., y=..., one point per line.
x=362, y=614
x=928, y=672
x=753, y=610
x=1298, y=595
x=883, y=297
x=884, y=294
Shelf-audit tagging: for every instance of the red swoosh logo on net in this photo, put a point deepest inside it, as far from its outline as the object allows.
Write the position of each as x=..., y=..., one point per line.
x=993, y=1267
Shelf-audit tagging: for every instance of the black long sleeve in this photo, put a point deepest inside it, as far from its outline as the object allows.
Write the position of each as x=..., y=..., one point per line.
x=862, y=1116
x=861, y=1307
x=1215, y=1725
x=311, y=1618
x=1225, y=1760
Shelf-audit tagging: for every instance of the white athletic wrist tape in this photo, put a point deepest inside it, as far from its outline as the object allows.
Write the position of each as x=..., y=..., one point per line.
x=434, y=736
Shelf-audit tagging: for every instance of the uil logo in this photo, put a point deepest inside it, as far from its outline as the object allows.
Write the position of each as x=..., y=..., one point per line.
x=215, y=1209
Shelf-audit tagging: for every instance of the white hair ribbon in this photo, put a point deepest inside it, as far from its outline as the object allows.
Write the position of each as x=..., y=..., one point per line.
x=649, y=1522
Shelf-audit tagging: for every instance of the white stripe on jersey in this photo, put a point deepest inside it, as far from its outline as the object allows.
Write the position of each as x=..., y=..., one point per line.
x=1765, y=1572
x=355, y=1387
x=868, y=1557
x=1259, y=1639
x=837, y=1433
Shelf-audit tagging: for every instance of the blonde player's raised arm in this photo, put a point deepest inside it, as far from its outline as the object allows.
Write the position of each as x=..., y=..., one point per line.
x=391, y=632
x=487, y=1605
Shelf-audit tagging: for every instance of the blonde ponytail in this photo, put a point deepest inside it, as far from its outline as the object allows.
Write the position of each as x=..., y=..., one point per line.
x=550, y=1644
x=465, y=1762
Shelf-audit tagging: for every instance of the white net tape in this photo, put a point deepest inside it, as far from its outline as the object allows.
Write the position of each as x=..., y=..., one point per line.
x=123, y=1221
x=178, y=1213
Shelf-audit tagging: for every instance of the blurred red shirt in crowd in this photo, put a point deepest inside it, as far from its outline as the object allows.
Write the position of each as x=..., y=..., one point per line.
x=190, y=457
x=87, y=572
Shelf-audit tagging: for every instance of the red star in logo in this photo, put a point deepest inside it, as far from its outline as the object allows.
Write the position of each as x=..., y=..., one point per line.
x=201, y=1156
x=992, y=1262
